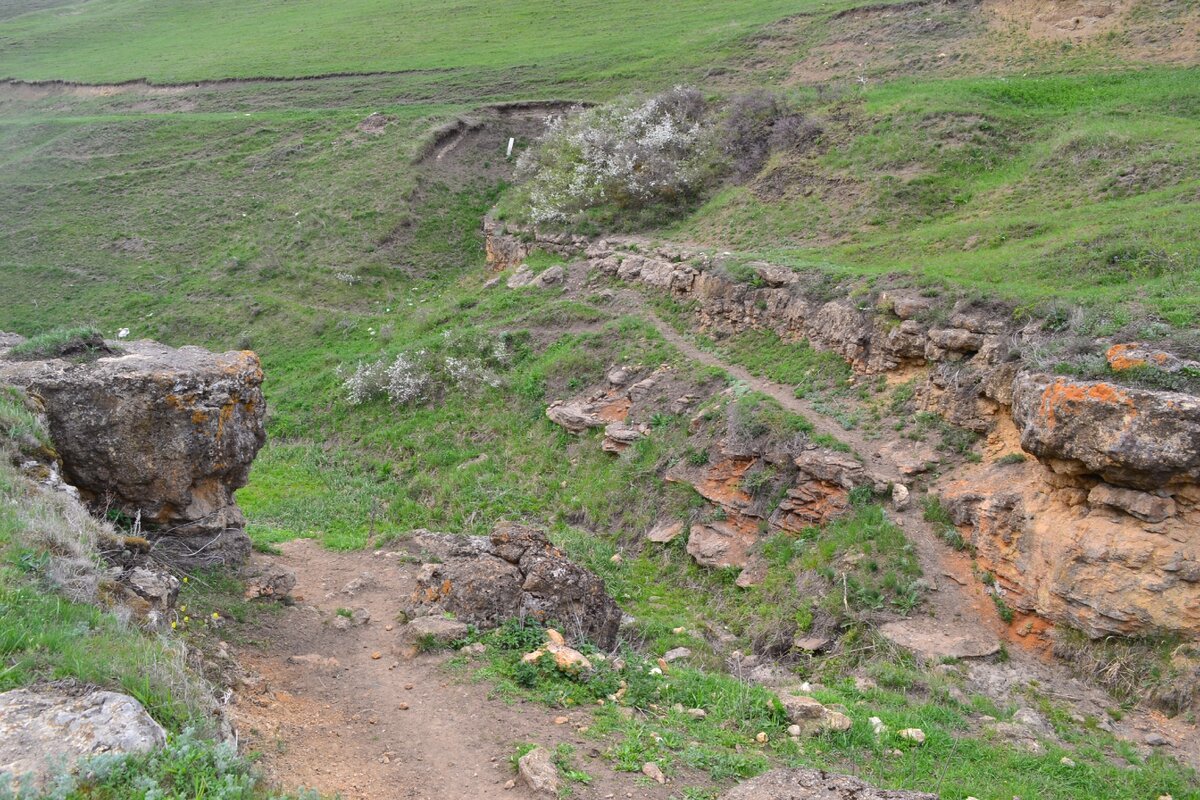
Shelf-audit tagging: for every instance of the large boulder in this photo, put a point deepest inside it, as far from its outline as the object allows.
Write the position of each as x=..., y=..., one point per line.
x=516, y=572
x=163, y=436
x=46, y=732
x=814, y=784
x=1129, y=437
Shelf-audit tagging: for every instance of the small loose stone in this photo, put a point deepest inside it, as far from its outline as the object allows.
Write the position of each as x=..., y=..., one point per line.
x=653, y=772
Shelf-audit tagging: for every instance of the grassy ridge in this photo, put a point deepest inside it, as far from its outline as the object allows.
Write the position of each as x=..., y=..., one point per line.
x=581, y=42
x=1082, y=189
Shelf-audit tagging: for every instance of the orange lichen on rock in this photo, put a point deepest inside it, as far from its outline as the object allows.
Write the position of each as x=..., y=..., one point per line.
x=722, y=483
x=1119, y=357
x=615, y=411
x=1062, y=397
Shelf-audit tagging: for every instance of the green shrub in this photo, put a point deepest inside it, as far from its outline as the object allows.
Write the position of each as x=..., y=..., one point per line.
x=622, y=156
x=189, y=767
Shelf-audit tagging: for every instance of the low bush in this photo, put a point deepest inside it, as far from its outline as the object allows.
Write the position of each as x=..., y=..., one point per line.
x=188, y=767
x=630, y=154
x=648, y=159
x=756, y=123
x=464, y=361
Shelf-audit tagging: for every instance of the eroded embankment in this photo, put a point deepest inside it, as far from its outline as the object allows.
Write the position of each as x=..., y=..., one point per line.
x=1085, y=504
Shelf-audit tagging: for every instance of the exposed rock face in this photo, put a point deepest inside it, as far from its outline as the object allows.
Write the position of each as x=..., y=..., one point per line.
x=45, y=732
x=1101, y=531
x=1069, y=547
x=504, y=252
x=163, y=436
x=268, y=580
x=516, y=572
x=153, y=594
x=724, y=543
x=1129, y=437
x=813, y=784
x=819, y=492
x=933, y=642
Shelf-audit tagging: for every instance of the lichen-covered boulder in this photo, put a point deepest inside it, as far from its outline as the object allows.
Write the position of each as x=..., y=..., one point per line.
x=163, y=436
x=516, y=572
x=1129, y=437
x=44, y=733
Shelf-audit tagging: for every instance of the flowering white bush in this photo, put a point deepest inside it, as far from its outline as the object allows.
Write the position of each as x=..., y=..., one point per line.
x=630, y=154
x=462, y=360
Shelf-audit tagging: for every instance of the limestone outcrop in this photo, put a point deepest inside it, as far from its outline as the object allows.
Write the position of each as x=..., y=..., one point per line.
x=1071, y=547
x=1098, y=530
x=161, y=436
x=46, y=731
x=514, y=573
x=1147, y=440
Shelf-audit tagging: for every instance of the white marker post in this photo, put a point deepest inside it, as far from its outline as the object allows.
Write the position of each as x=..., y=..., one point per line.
x=508, y=154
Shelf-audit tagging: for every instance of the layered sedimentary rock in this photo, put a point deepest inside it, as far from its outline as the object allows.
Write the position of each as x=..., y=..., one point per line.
x=1103, y=530
x=1148, y=440
x=161, y=436
x=1098, y=530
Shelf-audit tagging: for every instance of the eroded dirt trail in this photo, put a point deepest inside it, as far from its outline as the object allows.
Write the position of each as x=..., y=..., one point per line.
x=330, y=716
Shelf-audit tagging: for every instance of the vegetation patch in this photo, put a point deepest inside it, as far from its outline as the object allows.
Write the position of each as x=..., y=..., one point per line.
x=79, y=343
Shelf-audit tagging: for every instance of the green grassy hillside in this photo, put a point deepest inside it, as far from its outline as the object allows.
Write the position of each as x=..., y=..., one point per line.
x=1074, y=189
x=539, y=41
x=990, y=154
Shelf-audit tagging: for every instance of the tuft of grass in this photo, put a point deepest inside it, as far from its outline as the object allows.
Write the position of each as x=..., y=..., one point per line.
x=943, y=524
x=80, y=343
x=794, y=364
x=21, y=430
x=1003, y=609
x=1157, y=669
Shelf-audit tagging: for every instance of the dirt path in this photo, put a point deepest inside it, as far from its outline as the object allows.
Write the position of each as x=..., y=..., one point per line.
x=330, y=716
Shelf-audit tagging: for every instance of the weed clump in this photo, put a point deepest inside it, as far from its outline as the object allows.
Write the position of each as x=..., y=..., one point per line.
x=83, y=343
x=939, y=517
x=755, y=124
x=188, y=766
x=21, y=432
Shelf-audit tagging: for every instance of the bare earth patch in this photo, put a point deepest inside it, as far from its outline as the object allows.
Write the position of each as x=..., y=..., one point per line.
x=329, y=715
